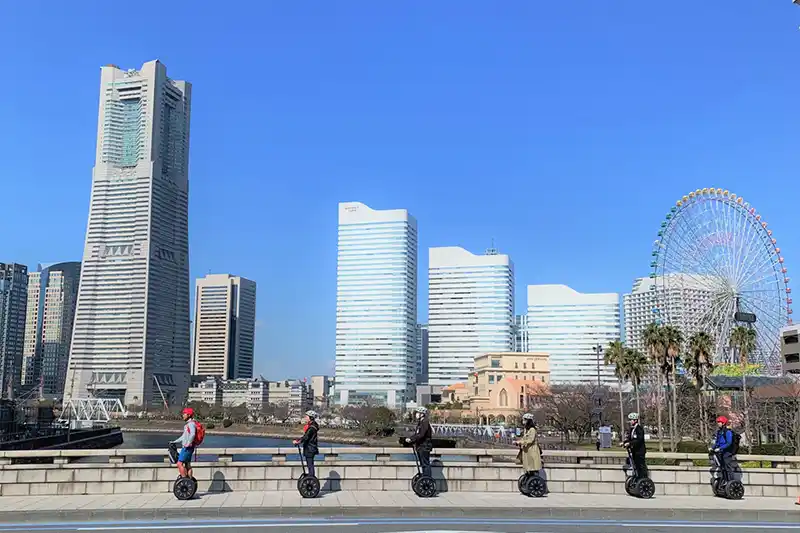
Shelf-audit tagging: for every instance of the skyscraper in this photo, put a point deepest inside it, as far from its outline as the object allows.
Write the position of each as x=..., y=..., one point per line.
x=470, y=310
x=376, y=305
x=684, y=303
x=224, y=327
x=521, y=342
x=131, y=334
x=13, y=300
x=52, y=295
x=569, y=326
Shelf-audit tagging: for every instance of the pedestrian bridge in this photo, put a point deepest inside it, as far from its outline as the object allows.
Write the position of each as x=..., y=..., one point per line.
x=123, y=471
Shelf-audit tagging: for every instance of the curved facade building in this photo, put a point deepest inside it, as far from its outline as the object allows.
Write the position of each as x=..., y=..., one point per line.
x=470, y=311
x=376, y=306
x=569, y=326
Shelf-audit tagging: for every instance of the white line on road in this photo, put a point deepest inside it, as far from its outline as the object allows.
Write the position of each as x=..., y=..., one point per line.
x=213, y=526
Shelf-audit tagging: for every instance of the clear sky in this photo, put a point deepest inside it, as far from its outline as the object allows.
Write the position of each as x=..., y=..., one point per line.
x=563, y=130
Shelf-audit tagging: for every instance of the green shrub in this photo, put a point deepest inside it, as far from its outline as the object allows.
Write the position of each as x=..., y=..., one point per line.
x=227, y=423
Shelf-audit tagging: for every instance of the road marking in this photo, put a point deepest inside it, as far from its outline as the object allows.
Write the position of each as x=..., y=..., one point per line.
x=211, y=526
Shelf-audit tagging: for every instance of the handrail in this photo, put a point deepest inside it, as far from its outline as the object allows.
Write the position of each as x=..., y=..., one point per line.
x=362, y=450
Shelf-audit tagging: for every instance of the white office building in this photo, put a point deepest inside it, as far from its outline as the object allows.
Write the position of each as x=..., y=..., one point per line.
x=681, y=302
x=470, y=310
x=224, y=327
x=131, y=335
x=376, y=305
x=569, y=326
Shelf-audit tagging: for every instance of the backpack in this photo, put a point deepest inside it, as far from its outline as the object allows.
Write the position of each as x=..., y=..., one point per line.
x=736, y=439
x=199, y=433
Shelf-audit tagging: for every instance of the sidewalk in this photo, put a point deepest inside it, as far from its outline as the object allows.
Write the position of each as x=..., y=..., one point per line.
x=39, y=509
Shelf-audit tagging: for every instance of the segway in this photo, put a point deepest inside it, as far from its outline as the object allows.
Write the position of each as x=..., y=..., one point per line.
x=307, y=485
x=721, y=481
x=423, y=485
x=636, y=485
x=532, y=485
x=184, y=487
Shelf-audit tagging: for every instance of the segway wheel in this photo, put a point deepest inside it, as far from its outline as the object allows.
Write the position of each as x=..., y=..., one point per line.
x=424, y=487
x=536, y=487
x=522, y=484
x=645, y=488
x=734, y=490
x=194, y=481
x=630, y=486
x=415, y=478
x=184, y=488
x=308, y=486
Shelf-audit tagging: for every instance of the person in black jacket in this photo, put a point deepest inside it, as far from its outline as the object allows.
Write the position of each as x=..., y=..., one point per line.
x=309, y=440
x=422, y=440
x=634, y=440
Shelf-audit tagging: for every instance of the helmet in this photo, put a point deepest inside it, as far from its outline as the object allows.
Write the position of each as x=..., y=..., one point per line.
x=188, y=411
x=527, y=416
x=421, y=410
x=633, y=416
x=722, y=420
x=312, y=414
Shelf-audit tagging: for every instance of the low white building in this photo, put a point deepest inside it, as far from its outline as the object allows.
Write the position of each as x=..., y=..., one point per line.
x=291, y=392
x=254, y=393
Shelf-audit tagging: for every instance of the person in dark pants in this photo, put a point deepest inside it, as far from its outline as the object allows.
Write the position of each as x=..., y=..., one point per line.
x=634, y=440
x=724, y=445
x=309, y=440
x=422, y=440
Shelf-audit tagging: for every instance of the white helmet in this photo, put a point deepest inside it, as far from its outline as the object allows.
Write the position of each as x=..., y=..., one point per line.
x=421, y=410
x=633, y=416
x=527, y=416
x=312, y=414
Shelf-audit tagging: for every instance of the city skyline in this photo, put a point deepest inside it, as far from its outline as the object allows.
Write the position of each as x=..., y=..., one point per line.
x=469, y=98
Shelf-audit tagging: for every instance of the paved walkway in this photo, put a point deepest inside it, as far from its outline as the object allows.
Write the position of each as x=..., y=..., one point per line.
x=265, y=504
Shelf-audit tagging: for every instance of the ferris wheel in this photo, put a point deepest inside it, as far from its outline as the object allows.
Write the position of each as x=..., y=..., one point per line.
x=716, y=265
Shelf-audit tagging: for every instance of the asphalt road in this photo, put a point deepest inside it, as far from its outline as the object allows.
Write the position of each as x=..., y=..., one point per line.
x=409, y=525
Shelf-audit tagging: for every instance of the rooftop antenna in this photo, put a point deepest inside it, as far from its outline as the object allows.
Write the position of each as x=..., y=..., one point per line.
x=492, y=250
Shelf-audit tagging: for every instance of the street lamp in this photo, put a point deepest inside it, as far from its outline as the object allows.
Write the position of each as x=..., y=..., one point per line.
x=599, y=349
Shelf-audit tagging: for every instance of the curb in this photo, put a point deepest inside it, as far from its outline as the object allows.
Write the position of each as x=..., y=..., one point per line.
x=422, y=511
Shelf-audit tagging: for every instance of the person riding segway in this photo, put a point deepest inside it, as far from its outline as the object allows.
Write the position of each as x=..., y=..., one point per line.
x=637, y=482
x=531, y=482
x=421, y=442
x=308, y=484
x=193, y=434
x=722, y=453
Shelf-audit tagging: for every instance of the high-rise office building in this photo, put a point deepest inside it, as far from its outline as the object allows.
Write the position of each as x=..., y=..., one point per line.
x=470, y=310
x=224, y=327
x=682, y=302
x=376, y=305
x=422, y=354
x=13, y=302
x=52, y=296
x=131, y=334
x=570, y=326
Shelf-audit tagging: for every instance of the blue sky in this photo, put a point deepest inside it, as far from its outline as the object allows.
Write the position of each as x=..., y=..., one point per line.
x=562, y=130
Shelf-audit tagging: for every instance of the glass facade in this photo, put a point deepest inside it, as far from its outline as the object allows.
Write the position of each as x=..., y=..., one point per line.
x=376, y=305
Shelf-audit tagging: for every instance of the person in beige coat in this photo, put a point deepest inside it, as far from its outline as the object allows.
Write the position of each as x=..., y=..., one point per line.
x=530, y=452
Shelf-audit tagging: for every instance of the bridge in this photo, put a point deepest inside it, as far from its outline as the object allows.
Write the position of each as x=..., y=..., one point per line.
x=260, y=483
x=91, y=410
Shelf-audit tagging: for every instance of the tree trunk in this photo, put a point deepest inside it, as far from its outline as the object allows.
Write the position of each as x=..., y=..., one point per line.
x=659, y=407
x=638, y=405
x=746, y=414
x=674, y=433
x=703, y=429
x=621, y=409
x=670, y=421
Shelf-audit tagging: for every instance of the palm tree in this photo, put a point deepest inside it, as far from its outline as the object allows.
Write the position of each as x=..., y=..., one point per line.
x=673, y=341
x=654, y=342
x=744, y=340
x=699, y=365
x=634, y=366
x=615, y=355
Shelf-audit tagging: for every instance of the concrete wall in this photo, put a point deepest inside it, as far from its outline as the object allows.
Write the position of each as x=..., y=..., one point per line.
x=119, y=472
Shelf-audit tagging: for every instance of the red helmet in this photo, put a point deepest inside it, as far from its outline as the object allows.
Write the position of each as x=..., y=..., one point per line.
x=188, y=411
x=722, y=420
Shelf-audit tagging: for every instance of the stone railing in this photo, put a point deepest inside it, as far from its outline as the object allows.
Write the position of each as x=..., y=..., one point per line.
x=121, y=471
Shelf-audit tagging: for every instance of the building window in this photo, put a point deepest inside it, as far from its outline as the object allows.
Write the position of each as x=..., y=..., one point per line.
x=503, y=398
x=524, y=365
x=495, y=363
x=516, y=365
x=491, y=378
